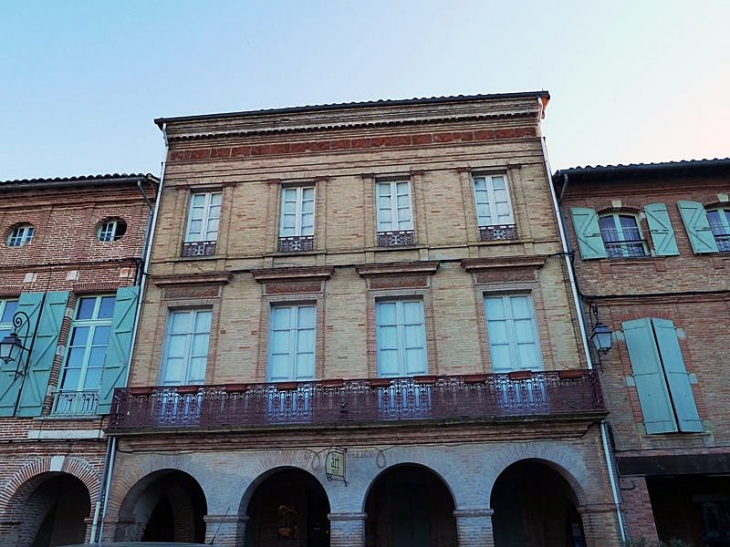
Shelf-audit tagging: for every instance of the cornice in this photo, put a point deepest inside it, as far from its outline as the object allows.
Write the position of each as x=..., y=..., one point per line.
x=214, y=278
x=395, y=268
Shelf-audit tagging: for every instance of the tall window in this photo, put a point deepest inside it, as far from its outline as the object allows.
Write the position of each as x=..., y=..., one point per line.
x=202, y=229
x=292, y=343
x=621, y=235
x=296, y=232
x=186, y=347
x=85, y=356
x=21, y=235
x=395, y=213
x=7, y=310
x=720, y=225
x=494, y=209
x=512, y=332
x=401, y=338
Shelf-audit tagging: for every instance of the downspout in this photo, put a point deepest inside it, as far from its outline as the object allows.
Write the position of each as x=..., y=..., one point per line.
x=567, y=251
x=100, y=511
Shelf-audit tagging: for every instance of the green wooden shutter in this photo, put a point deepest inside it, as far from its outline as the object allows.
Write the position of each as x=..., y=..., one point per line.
x=45, y=347
x=677, y=376
x=697, y=226
x=662, y=233
x=651, y=386
x=590, y=242
x=30, y=303
x=119, y=348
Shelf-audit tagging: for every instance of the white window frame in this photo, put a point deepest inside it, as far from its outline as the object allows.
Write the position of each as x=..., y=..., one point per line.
x=20, y=235
x=396, y=223
x=622, y=247
x=188, y=356
x=720, y=230
x=294, y=330
x=299, y=229
x=108, y=230
x=512, y=341
x=402, y=344
x=491, y=201
x=210, y=213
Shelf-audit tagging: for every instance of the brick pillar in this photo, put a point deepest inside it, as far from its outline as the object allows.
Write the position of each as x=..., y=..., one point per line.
x=347, y=529
x=474, y=527
x=89, y=522
x=600, y=525
x=225, y=530
x=638, y=512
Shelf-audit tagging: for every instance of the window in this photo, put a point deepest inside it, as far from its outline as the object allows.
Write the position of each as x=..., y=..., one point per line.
x=662, y=382
x=512, y=332
x=621, y=236
x=394, y=213
x=7, y=310
x=202, y=229
x=111, y=229
x=292, y=343
x=720, y=225
x=297, y=219
x=186, y=347
x=494, y=209
x=82, y=370
x=21, y=235
x=401, y=338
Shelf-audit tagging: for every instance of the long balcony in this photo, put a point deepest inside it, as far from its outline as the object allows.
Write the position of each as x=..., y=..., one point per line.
x=325, y=403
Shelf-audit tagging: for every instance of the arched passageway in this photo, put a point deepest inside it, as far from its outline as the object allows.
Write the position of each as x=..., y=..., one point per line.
x=534, y=506
x=288, y=508
x=168, y=505
x=409, y=506
x=50, y=509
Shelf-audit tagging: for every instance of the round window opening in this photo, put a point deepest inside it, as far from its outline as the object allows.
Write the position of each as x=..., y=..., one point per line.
x=111, y=229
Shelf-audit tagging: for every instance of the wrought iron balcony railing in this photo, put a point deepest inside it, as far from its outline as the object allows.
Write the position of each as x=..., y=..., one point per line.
x=197, y=248
x=331, y=402
x=75, y=403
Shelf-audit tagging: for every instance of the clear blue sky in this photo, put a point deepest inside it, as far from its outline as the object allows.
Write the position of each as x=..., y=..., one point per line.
x=631, y=81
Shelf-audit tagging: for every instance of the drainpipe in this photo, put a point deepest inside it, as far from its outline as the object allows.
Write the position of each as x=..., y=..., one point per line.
x=567, y=251
x=100, y=511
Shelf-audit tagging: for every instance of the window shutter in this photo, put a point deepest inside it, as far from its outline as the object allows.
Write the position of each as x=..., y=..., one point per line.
x=677, y=376
x=662, y=233
x=10, y=382
x=651, y=386
x=590, y=242
x=697, y=226
x=45, y=347
x=119, y=348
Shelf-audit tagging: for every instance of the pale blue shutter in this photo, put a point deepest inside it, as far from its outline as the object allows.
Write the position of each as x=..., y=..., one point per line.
x=697, y=226
x=677, y=376
x=10, y=382
x=590, y=242
x=45, y=347
x=651, y=386
x=660, y=227
x=119, y=348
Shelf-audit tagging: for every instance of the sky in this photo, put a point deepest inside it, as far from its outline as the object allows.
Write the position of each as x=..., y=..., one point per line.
x=631, y=81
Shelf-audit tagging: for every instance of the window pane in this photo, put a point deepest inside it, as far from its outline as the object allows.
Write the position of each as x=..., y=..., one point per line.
x=385, y=313
x=96, y=357
x=306, y=317
x=79, y=336
x=75, y=358
x=202, y=321
x=216, y=199
x=93, y=378
x=200, y=345
x=71, y=378
x=86, y=308
x=9, y=310
x=176, y=346
x=495, y=308
x=179, y=322
x=106, y=307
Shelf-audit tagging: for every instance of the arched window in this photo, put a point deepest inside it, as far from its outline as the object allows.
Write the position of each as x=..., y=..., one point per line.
x=20, y=235
x=720, y=225
x=621, y=235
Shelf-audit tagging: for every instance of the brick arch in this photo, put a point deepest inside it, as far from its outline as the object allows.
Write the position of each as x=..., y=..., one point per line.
x=79, y=468
x=619, y=319
x=631, y=206
x=713, y=200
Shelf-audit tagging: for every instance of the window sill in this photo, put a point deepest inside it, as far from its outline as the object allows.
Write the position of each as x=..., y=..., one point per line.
x=396, y=248
x=500, y=242
x=70, y=418
x=294, y=253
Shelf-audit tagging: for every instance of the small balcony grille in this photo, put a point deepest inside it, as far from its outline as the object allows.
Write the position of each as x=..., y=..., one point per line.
x=498, y=232
x=192, y=249
x=75, y=403
x=296, y=244
x=397, y=238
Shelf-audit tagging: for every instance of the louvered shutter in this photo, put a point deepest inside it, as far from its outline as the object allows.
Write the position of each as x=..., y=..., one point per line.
x=677, y=376
x=45, y=348
x=590, y=242
x=656, y=406
x=660, y=227
x=119, y=348
x=697, y=226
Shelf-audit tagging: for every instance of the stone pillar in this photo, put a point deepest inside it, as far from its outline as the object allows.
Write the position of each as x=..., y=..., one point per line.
x=638, y=513
x=600, y=525
x=225, y=530
x=474, y=526
x=347, y=529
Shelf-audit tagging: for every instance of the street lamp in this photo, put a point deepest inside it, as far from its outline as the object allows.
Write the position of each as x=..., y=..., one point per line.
x=600, y=335
x=11, y=346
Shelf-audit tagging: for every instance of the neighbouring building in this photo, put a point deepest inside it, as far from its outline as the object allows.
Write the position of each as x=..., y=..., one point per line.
x=359, y=330
x=652, y=258
x=71, y=251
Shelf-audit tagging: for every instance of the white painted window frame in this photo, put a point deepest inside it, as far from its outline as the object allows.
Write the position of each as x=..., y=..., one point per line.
x=205, y=233
x=299, y=228
x=512, y=333
x=21, y=235
x=189, y=335
x=616, y=217
x=392, y=205
x=293, y=329
x=402, y=343
x=491, y=201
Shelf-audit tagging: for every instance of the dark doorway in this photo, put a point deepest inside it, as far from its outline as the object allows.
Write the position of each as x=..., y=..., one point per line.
x=409, y=506
x=57, y=509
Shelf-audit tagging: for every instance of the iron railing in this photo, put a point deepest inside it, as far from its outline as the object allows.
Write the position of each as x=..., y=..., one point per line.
x=75, y=403
x=396, y=238
x=192, y=249
x=330, y=402
x=296, y=244
x=501, y=232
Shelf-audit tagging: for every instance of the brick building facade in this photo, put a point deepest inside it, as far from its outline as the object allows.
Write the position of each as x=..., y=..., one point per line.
x=70, y=255
x=359, y=330
x=652, y=260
